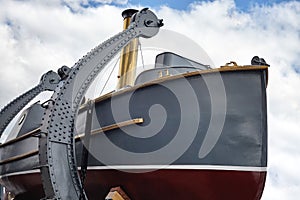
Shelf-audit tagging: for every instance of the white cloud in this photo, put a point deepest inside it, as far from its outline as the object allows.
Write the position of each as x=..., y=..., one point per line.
x=36, y=37
x=272, y=32
x=77, y=5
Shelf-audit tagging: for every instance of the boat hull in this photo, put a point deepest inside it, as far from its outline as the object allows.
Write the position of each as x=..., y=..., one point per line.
x=160, y=184
x=186, y=157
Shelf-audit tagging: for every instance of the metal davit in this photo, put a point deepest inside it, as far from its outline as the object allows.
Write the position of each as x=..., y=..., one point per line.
x=57, y=159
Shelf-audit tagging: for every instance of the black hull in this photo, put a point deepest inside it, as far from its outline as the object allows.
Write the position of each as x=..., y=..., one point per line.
x=184, y=138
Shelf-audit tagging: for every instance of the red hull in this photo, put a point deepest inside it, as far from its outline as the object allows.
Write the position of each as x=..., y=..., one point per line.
x=160, y=184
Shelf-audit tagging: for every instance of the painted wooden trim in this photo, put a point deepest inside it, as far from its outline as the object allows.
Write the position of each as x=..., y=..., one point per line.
x=189, y=74
x=22, y=137
x=19, y=157
x=112, y=126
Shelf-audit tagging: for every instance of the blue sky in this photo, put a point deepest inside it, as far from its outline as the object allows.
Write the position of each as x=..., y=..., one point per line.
x=243, y=5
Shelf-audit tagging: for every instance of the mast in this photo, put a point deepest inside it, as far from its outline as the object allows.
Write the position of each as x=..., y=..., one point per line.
x=128, y=60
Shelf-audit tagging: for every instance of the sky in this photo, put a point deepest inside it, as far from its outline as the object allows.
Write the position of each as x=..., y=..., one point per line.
x=185, y=4
x=36, y=36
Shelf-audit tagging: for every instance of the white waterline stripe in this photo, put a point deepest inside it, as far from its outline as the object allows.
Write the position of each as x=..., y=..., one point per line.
x=147, y=167
x=188, y=167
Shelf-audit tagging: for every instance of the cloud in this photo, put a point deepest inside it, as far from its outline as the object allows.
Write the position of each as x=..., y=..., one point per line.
x=272, y=32
x=37, y=36
x=79, y=5
x=37, y=39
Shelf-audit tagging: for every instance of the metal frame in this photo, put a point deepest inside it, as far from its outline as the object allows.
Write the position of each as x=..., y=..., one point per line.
x=48, y=82
x=56, y=145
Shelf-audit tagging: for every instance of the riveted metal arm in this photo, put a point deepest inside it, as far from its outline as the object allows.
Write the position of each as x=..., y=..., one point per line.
x=57, y=159
x=48, y=82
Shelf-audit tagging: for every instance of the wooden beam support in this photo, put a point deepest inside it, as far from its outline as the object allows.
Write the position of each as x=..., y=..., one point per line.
x=116, y=194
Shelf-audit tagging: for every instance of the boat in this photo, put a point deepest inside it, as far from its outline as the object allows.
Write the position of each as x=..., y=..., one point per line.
x=180, y=130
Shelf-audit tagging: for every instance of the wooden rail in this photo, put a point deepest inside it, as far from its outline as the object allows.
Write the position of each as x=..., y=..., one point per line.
x=77, y=137
x=22, y=137
x=112, y=126
x=19, y=157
